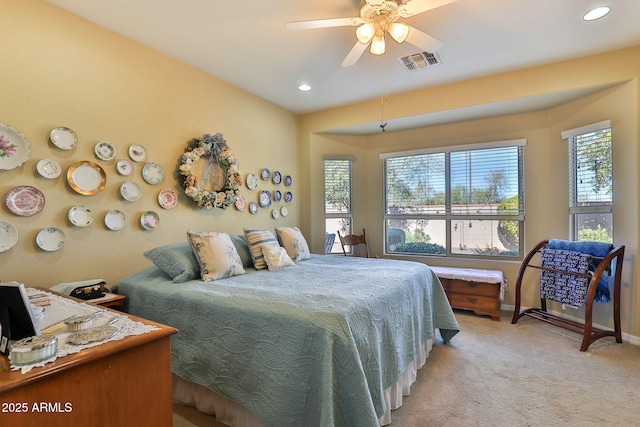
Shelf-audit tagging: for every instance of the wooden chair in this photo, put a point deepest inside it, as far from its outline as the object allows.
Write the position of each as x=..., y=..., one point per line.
x=354, y=240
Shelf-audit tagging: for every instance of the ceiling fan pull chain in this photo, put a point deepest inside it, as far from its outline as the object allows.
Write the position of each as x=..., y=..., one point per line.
x=383, y=91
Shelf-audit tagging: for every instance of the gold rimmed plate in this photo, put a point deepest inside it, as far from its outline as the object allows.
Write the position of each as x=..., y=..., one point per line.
x=86, y=178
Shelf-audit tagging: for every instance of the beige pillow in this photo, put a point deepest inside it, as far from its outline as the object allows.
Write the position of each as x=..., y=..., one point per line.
x=256, y=239
x=276, y=257
x=294, y=242
x=216, y=255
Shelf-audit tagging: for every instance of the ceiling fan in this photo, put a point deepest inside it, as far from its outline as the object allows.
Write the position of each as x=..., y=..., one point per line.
x=377, y=18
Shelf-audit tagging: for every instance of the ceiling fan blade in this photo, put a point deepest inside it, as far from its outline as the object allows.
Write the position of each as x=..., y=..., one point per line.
x=324, y=23
x=356, y=52
x=414, y=7
x=423, y=41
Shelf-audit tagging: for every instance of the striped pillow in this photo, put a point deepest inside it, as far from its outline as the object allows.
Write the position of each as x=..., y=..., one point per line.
x=256, y=239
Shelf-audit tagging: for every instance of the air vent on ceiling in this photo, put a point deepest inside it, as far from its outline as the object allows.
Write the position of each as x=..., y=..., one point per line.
x=420, y=60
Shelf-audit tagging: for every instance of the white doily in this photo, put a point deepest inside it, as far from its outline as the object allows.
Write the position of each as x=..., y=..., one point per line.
x=62, y=308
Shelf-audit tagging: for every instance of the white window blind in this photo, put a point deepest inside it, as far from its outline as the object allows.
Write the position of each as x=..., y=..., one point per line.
x=415, y=184
x=481, y=178
x=593, y=178
x=337, y=186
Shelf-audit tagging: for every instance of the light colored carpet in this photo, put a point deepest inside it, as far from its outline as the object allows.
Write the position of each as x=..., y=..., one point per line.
x=499, y=374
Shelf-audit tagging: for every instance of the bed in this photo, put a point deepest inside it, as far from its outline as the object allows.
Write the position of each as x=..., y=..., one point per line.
x=333, y=341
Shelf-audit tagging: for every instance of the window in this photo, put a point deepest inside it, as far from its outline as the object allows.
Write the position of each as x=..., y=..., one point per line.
x=591, y=182
x=337, y=198
x=457, y=201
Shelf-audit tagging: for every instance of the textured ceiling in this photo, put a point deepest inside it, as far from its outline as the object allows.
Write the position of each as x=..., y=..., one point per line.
x=245, y=43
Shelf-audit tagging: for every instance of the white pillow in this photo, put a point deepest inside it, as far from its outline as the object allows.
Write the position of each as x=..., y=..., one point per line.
x=216, y=255
x=294, y=242
x=276, y=257
x=257, y=239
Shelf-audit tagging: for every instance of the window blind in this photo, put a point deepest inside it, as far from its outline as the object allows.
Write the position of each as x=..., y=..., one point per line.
x=337, y=186
x=592, y=169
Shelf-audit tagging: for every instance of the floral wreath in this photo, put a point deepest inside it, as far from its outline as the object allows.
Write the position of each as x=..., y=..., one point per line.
x=216, y=148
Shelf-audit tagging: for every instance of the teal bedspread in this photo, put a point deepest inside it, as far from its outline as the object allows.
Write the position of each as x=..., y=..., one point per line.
x=314, y=345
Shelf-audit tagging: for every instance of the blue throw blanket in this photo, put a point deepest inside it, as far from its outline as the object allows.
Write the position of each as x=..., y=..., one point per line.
x=594, y=249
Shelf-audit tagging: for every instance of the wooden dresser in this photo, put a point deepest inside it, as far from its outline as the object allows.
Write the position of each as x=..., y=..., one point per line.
x=477, y=290
x=119, y=383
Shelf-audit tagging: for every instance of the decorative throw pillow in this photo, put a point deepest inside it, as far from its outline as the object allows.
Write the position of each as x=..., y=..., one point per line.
x=242, y=246
x=294, y=242
x=256, y=239
x=276, y=257
x=216, y=255
x=176, y=260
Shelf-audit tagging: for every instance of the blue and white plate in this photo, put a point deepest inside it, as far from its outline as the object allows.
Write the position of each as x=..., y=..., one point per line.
x=277, y=178
x=265, y=198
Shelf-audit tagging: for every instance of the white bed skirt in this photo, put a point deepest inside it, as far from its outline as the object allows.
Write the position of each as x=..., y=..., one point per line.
x=235, y=415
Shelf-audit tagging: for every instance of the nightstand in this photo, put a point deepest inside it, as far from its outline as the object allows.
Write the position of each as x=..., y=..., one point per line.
x=109, y=300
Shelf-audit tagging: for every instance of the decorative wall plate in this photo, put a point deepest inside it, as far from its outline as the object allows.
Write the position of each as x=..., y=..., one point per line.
x=14, y=148
x=115, y=220
x=152, y=173
x=49, y=168
x=80, y=216
x=25, y=200
x=8, y=235
x=287, y=180
x=104, y=151
x=50, y=239
x=124, y=167
x=168, y=198
x=277, y=195
x=86, y=178
x=275, y=213
x=251, y=181
x=265, y=174
x=284, y=211
x=253, y=207
x=241, y=203
x=149, y=220
x=130, y=191
x=137, y=153
x=277, y=177
x=63, y=138
x=288, y=196
x=265, y=198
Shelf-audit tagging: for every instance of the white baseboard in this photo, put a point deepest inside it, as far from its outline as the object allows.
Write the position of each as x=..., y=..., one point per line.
x=631, y=339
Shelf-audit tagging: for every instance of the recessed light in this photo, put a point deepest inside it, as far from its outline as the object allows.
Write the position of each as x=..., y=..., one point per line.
x=596, y=13
x=304, y=88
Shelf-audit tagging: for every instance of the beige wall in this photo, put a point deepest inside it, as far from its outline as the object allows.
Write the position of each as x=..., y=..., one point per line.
x=60, y=70
x=546, y=157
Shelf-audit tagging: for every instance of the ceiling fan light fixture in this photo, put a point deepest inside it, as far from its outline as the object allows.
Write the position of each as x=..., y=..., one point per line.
x=377, y=45
x=398, y=31
x=365, y=32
